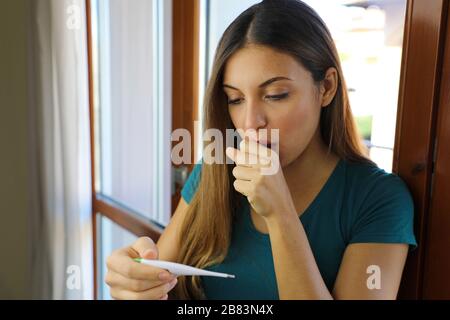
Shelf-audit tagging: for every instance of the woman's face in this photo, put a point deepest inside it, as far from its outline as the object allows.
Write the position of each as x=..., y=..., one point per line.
x=267, y=89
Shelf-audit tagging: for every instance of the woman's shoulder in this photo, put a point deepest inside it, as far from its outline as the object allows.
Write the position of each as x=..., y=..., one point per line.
x=382, y=205
x=367, y=185
x=368, y=176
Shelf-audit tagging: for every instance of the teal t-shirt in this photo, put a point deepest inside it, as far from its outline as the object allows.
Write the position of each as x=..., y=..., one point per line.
x=359, y=203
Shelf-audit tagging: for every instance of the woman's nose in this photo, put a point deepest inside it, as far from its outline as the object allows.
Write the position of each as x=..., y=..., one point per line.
x=254, y=117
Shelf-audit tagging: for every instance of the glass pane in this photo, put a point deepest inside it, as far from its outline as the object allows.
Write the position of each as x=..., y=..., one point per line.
x=130, y=94
x=111, y=237
x=369, y=38
x=220, y=15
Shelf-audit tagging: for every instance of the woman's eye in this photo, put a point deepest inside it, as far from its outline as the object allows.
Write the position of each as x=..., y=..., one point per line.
x=278, y=96
x=270, y=97
x=235, y=101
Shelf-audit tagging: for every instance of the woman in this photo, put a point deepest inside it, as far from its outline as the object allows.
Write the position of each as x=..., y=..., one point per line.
x=328, y=224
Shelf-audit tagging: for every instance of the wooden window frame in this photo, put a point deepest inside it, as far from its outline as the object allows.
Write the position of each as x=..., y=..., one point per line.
x=185, y=26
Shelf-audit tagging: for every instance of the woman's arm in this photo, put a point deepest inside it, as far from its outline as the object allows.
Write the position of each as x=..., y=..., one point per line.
x=168, y=241
x=365, y=265
x=298, y=276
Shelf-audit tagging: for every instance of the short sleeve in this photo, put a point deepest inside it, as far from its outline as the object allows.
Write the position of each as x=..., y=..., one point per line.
x=190, y=187
x=386, y=214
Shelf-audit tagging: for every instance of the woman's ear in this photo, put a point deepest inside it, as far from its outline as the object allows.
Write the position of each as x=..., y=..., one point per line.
x=329, y=86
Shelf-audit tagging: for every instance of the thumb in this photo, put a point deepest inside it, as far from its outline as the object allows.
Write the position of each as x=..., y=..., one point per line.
x=231, y=153
x=146, y=248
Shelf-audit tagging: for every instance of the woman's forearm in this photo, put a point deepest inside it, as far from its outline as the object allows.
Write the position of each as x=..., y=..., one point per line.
x=297, y=273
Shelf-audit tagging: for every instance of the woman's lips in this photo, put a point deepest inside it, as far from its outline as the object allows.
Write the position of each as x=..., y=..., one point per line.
x=266, y=143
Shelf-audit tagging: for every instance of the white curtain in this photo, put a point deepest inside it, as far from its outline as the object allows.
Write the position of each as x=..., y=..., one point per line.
x=60, y=224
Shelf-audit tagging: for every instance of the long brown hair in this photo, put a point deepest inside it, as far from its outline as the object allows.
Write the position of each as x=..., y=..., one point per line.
x=292, y=27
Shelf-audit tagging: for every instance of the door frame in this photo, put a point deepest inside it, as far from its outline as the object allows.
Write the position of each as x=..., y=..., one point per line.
x=416, y=122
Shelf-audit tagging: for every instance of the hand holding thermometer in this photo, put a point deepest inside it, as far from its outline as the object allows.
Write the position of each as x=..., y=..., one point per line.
x=179, y=269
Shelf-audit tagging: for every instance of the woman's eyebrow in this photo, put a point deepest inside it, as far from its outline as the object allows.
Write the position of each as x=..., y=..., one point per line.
x=262, y=85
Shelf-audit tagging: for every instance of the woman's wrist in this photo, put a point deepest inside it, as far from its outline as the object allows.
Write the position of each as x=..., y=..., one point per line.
x=282, y=217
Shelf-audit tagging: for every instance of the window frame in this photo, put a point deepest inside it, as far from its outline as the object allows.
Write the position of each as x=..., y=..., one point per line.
x=185, y=39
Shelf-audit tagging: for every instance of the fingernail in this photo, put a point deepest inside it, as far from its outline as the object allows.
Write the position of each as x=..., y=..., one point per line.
x=164, y=276
x=147, y=252
x=173, y=283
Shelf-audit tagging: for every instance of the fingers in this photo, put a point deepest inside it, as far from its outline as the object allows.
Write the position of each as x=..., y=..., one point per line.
x=242, y=158
x=146, y=248
x=121, y=262
x=129, y=279
x=245, y=173
x=243, y=187
x=251, y=154
x=253, y=147
x=157, y=293
x=246, y=159
x=116, y=280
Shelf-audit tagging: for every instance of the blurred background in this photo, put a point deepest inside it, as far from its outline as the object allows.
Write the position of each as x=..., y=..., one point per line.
x=90, y=92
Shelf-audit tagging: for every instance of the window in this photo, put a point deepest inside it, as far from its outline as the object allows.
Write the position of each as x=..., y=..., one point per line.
x=369, y=38
x=111, y=237
x=131, y=99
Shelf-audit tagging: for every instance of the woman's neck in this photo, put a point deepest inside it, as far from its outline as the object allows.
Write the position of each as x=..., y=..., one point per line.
x=311, y=169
